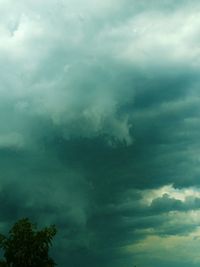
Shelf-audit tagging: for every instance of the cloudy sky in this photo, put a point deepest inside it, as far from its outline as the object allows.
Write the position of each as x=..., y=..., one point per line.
x=99, y=133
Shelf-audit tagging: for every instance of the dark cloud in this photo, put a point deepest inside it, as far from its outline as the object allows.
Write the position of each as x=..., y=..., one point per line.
x=99, y=112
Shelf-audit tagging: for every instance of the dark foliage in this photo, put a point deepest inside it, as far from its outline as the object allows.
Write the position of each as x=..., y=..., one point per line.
x=26, y=246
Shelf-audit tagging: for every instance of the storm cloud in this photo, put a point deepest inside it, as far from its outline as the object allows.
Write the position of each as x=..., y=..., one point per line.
x=99, y=112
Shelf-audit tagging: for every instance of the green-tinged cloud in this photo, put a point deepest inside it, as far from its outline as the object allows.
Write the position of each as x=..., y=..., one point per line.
x=99, y=112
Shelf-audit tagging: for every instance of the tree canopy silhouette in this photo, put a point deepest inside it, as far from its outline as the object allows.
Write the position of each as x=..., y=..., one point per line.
x=26, y=246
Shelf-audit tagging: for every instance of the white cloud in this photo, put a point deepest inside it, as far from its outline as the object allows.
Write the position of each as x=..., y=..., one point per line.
x=181, y=194
x=156, y=38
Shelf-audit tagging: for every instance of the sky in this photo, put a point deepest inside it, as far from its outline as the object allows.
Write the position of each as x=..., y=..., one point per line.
x=99, y=128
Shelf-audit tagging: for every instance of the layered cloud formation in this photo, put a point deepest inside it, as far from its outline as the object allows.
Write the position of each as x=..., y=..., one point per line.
x=99, y=131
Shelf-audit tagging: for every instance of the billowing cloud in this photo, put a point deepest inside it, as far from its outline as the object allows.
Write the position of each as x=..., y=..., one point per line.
x=99, y=111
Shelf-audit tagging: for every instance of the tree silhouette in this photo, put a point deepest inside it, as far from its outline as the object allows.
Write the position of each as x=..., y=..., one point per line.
x=26, y=246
